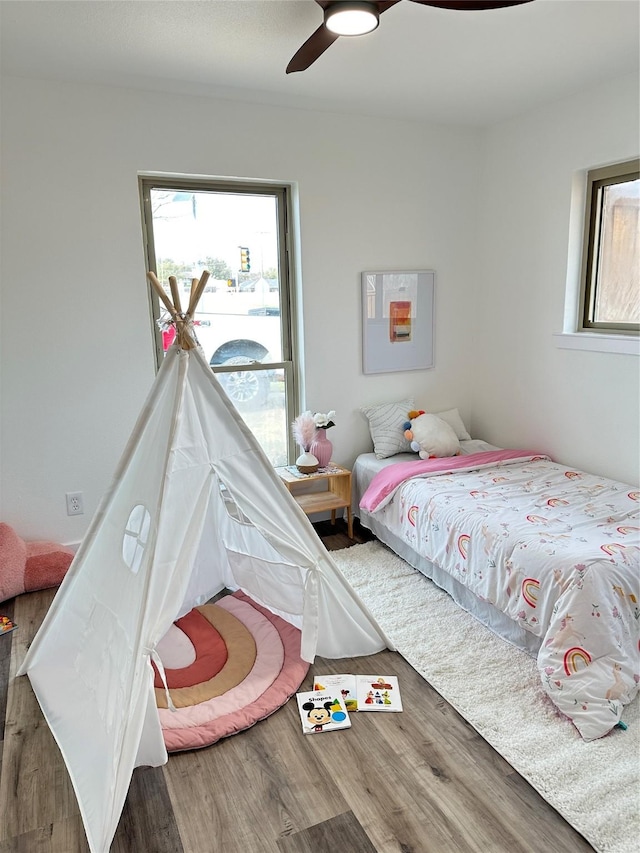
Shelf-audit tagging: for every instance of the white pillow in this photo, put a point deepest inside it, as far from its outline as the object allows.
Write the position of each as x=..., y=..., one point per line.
x=386, y=423
x=452, y=417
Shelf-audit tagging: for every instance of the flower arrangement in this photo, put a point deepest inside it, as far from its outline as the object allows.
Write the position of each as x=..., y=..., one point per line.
x=305, y=427
x=324, y=421
x=304, y=430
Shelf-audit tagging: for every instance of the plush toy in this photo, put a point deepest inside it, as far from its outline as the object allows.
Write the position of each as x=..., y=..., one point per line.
x=26, y=566
x=430, y=436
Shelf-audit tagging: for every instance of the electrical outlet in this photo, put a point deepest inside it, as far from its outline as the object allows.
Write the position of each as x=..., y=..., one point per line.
x=75, y=505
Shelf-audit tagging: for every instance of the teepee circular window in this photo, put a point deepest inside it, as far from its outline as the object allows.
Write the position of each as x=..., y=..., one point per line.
x=135, y=537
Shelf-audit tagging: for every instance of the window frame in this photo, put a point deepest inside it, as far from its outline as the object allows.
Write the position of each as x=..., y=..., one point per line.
x=291, y=358
x=597, y=180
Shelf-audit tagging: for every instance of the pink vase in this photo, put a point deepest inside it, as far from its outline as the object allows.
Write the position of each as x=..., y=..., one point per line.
x=322, y=448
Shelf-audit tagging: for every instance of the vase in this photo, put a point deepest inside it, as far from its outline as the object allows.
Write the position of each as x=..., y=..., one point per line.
x=322, y=448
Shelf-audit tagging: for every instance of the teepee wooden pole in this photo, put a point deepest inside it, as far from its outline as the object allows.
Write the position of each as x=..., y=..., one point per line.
x=173, y=284
x=181, y=321
x=192, y=292
x=197, y=292
x=159, y=289
x=184, y=334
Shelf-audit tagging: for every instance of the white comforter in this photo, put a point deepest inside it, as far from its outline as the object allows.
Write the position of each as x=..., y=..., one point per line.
x=556, y=550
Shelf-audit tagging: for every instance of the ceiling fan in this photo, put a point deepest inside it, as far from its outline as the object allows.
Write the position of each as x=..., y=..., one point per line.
x=345, y=18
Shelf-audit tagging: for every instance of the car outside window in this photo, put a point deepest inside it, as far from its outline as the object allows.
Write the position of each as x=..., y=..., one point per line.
x=244, y=320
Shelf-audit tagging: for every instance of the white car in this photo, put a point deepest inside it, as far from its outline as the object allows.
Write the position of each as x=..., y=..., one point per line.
x=239, y=328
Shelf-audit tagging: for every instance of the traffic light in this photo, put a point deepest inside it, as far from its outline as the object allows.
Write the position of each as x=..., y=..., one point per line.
x=245, y=260
x=231, y=282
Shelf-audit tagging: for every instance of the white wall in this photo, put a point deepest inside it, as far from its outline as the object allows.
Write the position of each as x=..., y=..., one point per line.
x=77, y=354
x=581, y=407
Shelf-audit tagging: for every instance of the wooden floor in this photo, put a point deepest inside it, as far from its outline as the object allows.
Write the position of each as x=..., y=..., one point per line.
x=421, y=781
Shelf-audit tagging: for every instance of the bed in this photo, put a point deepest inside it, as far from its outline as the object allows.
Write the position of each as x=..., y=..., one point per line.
x=545, y=556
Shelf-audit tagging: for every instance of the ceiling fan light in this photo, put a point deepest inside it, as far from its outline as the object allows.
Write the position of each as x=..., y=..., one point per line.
x=351, y=19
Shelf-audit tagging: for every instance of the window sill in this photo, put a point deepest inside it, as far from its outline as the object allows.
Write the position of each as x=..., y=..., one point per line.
x=596, y=342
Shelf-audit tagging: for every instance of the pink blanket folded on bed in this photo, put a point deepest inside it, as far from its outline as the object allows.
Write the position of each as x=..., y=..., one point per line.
x=384, y=484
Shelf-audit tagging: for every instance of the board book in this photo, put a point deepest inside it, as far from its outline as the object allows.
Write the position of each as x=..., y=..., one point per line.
x=6, y=625
x=363, y=692
x=378, y=693
x=345, y=684
x=322, y=711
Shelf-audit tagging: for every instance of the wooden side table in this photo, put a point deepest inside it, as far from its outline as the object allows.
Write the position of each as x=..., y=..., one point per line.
x=337, y=495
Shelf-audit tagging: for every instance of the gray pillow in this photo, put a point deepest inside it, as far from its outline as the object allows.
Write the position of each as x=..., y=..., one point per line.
x=386, y=423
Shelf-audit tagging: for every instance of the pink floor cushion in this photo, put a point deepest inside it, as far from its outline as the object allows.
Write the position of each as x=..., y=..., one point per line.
x=241, y=656
x=210, y=648
x=27, y=566
x=274, y=677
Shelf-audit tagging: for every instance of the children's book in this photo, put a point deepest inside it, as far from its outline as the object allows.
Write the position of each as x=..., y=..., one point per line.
x=6, y=625
x=322, y=711
x=345, y=684
x=378, y=693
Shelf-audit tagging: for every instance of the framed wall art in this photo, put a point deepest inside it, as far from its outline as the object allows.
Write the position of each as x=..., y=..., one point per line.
x=397, y=321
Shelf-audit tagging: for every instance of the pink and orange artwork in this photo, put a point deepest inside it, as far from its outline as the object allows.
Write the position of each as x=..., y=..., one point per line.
x=400, y=321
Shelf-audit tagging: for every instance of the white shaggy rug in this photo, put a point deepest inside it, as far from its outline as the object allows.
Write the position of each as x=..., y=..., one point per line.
x=496, y=688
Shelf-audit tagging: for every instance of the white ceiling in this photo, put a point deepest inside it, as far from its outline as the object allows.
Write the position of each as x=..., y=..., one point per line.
x=450, y=67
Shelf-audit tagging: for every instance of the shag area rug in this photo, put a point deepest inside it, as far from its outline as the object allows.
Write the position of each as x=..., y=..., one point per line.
x=497, y=689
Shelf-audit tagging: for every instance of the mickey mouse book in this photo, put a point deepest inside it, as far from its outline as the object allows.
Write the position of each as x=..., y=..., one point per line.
x=378, y=693
x=322, y=711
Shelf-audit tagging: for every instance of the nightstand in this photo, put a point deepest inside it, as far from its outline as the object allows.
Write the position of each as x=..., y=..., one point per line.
x=337, y=494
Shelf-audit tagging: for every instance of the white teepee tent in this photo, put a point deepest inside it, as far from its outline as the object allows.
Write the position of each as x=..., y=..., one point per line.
x=194, y=507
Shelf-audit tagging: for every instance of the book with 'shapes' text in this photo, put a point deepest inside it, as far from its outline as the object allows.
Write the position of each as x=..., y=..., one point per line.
x=322, y=711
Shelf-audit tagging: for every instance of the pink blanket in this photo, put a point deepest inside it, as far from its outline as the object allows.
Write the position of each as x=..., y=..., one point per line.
x=385, y=482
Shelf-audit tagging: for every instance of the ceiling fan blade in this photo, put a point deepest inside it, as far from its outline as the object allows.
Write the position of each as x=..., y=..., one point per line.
x=472, y=5
x=323, y=38
x=314, y=47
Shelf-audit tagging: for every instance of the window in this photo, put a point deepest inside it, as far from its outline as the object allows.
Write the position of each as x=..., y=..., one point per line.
x=136, y=534
x=238, y=231
x=610, y=291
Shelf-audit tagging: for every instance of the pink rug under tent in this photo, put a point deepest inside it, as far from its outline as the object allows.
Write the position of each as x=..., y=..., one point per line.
x=227, y=665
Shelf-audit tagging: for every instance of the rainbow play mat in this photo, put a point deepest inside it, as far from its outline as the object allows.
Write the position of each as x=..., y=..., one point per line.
x=228, y=665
